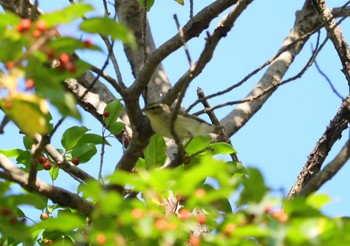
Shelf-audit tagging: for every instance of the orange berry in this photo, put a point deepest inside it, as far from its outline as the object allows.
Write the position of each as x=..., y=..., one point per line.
x=184, y=214
x=24, y=25
x=37, y=33
x=41, y=25
x=44, y=216
x=200, y=193
x=161, y=224
x=71, y=67
x=194, y=241
x=280, y=215
x=201, y=219
x=137, y=213
x=9, y=65
x=29, y=84
x=229, y=228
x=64, y=58
x=47, y=241
x=101, y=238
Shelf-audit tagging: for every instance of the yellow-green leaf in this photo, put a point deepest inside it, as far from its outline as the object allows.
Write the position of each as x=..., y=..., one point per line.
x=29, y=113
x=180, y=2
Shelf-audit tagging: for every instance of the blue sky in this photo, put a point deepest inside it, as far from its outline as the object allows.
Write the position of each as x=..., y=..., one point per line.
x=283, y=133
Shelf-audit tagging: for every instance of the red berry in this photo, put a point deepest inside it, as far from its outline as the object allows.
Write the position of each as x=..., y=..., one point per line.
x=44, y=216
x=105, y=114
x=5, y=211
x=76, y=161
x=24, y=25
x=9, y=65
x=41, y=25
x=8, y=105
x=13, y=220
x=29, y=84
x=42, y=160
x=49, y=53
x=88, y=43
x=71, y=67
x=64, y=58
x=47, y=165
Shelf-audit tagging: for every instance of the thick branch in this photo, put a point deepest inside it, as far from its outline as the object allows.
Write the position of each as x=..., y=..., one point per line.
x=192, y=29
x=322, y=148
x=336, y=36
x=328, y=172
x=306, y=23
x=57, y=195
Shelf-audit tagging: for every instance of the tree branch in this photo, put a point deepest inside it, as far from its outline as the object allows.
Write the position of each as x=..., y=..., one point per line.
x=335, y=34
x=322, y=148
x=328, y=172
x=57, y=195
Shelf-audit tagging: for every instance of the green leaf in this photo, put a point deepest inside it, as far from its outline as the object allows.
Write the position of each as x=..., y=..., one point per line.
x=38, y=201
x=116, y=127
x=84, y=152
x=11, y=152
x=28, y=142
x=69, y=45
x=155, y=155
x=25, y=158
x=317, y=200
x=92, y=138
x=197, y=144
x=72, y=136
x=54, y=172
x=29, y=112
x=149, y=4
x=222, y=148
x=67, y=15
x=65, y=223
x=254, y=188
x=180, y=2
x=8, y=18
x=108, y=27
x=114, y=109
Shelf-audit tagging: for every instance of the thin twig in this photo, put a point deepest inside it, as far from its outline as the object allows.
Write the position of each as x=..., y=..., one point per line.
x=216, y=122
x=273, y=86
x=181, y=34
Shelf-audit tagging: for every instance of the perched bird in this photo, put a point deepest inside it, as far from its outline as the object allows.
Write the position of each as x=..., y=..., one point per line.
x=186, y=126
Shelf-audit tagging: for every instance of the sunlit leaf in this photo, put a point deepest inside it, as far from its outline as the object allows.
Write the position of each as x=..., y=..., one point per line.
x=180, y=2
x=92, y=138
x=29, y=112
x=11, y=152
x=66, y=15
x=155, y=152
x=84, y=152
x=108, y=27
x=72, y=136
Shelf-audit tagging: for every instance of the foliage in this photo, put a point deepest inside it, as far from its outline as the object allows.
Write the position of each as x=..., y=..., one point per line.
x=232, y=203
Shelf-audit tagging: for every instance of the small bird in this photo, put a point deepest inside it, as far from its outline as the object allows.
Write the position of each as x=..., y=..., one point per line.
x=186, y=126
